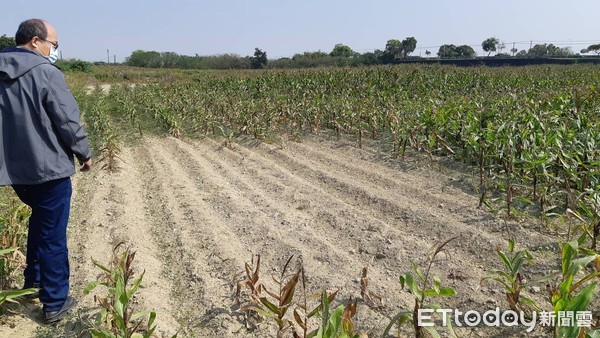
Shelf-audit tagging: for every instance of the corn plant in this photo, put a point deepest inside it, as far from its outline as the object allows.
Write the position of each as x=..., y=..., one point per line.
x=116, y=318
x=529, y=133
x=282, y=300
x=589, y=206
x=574, y=292
x=511, y=277
x=276, y=305
x=252, y=283
x=337, y=324
x=421, y=288
x=13, y=231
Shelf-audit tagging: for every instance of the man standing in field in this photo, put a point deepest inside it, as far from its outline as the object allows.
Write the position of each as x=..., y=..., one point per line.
x=40, y=135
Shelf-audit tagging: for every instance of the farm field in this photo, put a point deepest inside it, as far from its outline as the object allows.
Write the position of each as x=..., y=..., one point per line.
x=343, y=169
x=196, y=211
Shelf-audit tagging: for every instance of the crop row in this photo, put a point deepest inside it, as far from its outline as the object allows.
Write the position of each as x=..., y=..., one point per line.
x=531, y=134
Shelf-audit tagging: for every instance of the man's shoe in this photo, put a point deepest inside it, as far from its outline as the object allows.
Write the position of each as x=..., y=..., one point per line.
x=55, y=316
x=34, y=295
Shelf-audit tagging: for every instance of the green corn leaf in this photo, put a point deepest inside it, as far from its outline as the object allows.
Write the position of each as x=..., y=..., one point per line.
x=447, y=292
x=528, y=301
x=325, y=304
x=102, y=267
x=568, y=332
x=437, y=284
x=270, y=306
x=400, y=318
x=547, y=278
x=579, y=263
x=7, y=251
x=593, y=334
x=135, y=285
x=583, y=299
x=91, y=286
x=335, y=321
x=442, y=292
x=505, y=259
x=523, y=199
x=258, y=310
x=411, y=284
x=151, y=319
x=139, y=315
x=568, y=251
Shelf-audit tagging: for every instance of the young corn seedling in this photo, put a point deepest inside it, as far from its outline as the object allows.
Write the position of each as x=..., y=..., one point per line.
x=574, y=293
x=117, y=319
x=251, y=282
x=302, y=320
x=420, y=288
x=337, y=324
x=511, y=277
x=278, y=308
x=589, y=215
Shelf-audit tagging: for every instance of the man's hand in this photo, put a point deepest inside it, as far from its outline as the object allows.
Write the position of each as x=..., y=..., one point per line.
x=86, y=166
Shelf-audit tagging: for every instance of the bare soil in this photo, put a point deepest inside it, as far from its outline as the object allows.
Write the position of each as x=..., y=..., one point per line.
x=196, y=210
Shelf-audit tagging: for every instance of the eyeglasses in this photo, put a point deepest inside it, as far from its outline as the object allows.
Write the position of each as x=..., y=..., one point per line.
x=54, y=44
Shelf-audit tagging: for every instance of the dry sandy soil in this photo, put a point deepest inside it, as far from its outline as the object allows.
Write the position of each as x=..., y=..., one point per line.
x=195, y=211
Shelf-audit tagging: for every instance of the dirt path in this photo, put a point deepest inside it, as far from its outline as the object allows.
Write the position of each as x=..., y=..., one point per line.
x=195, y=211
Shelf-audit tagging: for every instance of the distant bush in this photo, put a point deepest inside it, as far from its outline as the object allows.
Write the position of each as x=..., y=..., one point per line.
x=74, y=65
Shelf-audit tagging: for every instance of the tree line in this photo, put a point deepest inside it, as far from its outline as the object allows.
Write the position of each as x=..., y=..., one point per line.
x=341, y=55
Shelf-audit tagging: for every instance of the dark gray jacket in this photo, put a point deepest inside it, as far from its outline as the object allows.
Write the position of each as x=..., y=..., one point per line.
x=40, y=131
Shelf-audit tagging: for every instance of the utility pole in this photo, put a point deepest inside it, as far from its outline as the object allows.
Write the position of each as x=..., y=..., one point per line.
x=107, y=56
x=115, y=58
x=513, y=49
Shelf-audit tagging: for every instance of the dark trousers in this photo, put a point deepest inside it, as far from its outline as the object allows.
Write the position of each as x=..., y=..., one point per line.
x=47, y=253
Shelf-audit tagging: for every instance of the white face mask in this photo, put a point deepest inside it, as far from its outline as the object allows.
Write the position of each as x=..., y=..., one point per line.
x=53, y=56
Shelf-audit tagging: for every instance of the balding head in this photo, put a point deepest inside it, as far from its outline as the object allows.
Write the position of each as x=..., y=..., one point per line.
x=30, y=28
x=36, y=34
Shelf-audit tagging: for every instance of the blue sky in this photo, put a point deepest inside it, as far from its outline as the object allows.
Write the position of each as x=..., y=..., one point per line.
x=282, y=28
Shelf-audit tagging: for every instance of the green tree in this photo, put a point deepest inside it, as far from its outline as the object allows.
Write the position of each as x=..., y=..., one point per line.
x=465, y=51
x=592, y=49
x=393, y=49
x=538, y=51
x=489, y=45
x=259, y=60
x=341, y=50
x=170, y=60
x=140, y=58
x=447, y=51
x=548, y=50
x=408, y=46
x=312, y=59
x=368, y=58
x=521, y=54
x=6, y=41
